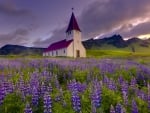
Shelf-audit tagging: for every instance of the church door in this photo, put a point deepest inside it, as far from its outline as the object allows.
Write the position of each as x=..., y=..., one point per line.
x=77, y=53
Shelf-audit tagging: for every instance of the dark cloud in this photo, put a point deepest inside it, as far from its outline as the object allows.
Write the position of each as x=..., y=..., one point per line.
x=58, y=34
x=9, y=8
x=140, y=29
x=105, y=15
x=16, y=37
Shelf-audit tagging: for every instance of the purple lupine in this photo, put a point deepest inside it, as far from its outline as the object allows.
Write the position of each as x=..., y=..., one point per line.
x=96, y=94
x=43, y=89
x=27, y=90
x=35, y=96
x=10, y=87
x=96, y=97
x=2, y=94
x=120, y=79
x=47, y=103
x=134, y=107
x=111, y=85
x=112, y=110
x=133, y=83
x=125, y=97
x=49, y=88
x=148, y=96
x=76, y=102
x=76, y=86
x=124, y=87
x=141, y=94
x=28, y=109
x=119, y=108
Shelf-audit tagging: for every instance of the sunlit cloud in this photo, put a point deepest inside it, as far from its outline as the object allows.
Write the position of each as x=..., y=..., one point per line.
x=146, y=36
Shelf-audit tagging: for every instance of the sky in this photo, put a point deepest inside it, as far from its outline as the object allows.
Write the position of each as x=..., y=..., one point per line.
x=39, y=23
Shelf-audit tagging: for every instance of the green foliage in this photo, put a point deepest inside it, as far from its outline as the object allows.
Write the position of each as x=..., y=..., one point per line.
x=109, y=98
x=80, y=75
x=12, y=104
x=126, y=74
x=142, y=106
x=15, y=78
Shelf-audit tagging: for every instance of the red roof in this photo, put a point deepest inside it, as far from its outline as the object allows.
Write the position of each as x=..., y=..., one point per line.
x=58, y=45
x=73, y=25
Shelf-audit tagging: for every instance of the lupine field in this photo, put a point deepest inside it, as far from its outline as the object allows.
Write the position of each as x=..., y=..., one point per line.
x=74, y=86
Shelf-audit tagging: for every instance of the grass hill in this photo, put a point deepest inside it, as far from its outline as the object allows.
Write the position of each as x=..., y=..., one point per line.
x=20, y=50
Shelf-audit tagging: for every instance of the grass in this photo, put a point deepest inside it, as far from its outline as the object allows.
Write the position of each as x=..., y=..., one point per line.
x=116, y=54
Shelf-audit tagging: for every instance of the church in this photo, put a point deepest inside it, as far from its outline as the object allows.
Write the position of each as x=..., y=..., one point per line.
x=71, y=46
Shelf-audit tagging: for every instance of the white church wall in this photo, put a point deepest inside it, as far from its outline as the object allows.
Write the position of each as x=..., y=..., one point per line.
x=78, y=44
x=62, y=52
x=59, y=52
x=70, y=50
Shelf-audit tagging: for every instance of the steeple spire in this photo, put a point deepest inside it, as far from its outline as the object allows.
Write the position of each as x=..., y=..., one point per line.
x=73, y=25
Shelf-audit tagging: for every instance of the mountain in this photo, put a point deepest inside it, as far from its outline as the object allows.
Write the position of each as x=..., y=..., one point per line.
x=115, y=41
x=20, y=50
x=107, y=43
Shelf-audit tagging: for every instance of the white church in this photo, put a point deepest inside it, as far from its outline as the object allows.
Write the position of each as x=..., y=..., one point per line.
x=71, y=46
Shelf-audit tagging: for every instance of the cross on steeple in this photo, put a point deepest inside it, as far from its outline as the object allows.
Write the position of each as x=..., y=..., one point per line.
x=72, y=9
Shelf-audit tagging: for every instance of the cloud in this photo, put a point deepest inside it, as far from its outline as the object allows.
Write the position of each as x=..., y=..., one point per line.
x=9, y=8
x=16, y=37
x=140, y=29
x=58, y=34
x=107, y=17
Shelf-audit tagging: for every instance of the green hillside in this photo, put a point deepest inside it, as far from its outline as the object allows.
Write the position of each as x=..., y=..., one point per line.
x=111, y=51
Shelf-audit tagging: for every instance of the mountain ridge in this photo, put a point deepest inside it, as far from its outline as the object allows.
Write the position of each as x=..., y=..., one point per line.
x=116, y=41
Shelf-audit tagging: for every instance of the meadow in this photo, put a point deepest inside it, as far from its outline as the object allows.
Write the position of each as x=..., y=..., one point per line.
x=65, y=85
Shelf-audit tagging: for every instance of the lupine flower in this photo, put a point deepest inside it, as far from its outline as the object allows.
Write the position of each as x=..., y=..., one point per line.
x=47, y=103
x=96, y=97
x=76, y=86
x=124, y=87
x=35, y=96
x=125, y=98
x=28, y=109
x=120, y=80
x=148, y=97
x=119, y=108
x=49, y=88
x=76, y=103
x=133, y=83
x=134, y=107
x=2, y=94
x=96, y=94
x=112, y=110
x=43, y=89
x=93, y=108
x=111, y=85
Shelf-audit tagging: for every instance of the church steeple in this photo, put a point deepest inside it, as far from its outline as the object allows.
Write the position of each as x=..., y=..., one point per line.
x=73, y=25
